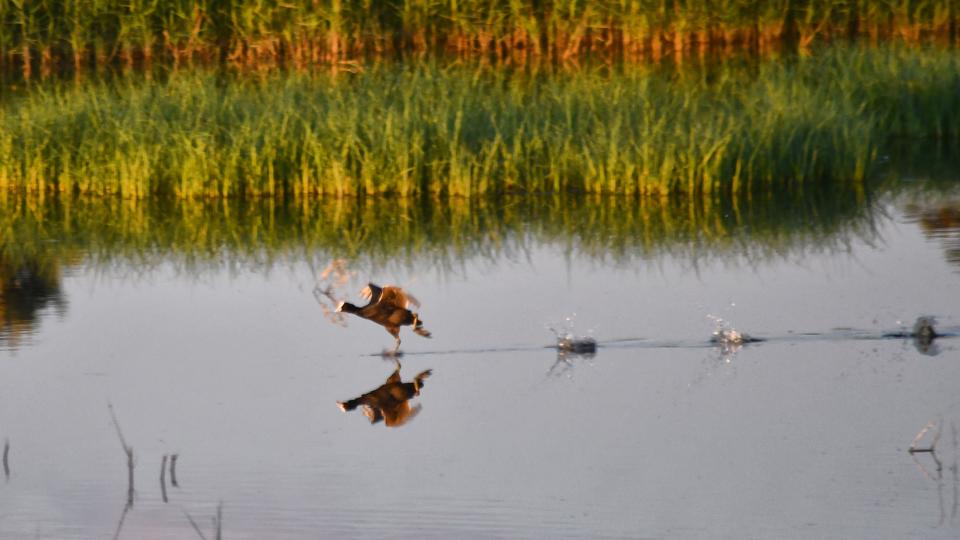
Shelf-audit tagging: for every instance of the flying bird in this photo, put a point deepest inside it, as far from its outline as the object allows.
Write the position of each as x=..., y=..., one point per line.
x=389, y=307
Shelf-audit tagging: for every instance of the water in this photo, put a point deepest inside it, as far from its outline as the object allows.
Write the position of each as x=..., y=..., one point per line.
x=222, y=355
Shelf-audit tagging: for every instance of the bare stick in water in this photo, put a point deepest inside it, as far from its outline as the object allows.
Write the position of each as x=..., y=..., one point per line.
x=123, y=517
x=217, y=523
x=932, y=450
x=956, y=473
x=933, y=444
x=194, y=525
x=163, y=478
x=127, y=449
x=220, y=520
x=6, y=459
x=173, y=470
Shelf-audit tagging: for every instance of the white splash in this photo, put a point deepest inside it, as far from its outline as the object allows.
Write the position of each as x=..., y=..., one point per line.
x=728, y=339
x=569, y=343
x=336, y=276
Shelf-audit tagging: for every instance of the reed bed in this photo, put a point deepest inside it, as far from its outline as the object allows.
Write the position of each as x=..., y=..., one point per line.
x=45, y=34
x=433, y=130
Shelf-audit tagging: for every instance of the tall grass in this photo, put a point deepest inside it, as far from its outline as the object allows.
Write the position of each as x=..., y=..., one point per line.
x=456, y=131
x=82, y=33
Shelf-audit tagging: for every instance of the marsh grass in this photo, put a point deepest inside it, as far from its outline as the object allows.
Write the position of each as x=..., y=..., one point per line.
x=429, y=129
x=46, y=34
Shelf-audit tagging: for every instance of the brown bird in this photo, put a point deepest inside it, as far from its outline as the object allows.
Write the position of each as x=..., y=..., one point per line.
x=390, y=401
x=389, y=307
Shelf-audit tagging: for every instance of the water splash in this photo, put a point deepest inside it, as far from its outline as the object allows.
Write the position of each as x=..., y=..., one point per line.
x=728, y=339
x=328, y=289
x=923, y=333
x=570, y=346
x=569, y=343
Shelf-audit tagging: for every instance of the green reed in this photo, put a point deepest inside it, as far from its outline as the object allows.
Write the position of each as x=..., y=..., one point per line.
x=428, y=129
x=81, y=33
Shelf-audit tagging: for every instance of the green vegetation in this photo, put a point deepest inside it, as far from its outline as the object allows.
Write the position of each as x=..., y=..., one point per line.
x=43, y=240
x=428, y=130
x=382, y=232
x=81, y=33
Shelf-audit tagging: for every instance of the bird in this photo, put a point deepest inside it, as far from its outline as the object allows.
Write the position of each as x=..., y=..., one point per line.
x=389, y=307
x=390, y=401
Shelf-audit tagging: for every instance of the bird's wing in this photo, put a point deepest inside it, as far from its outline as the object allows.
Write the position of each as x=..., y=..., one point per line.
x=398, y=297
x=374, y=414
x=411, y=300
x=400, y=415
x=372, y=293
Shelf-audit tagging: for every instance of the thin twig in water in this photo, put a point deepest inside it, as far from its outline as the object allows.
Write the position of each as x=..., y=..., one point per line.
x=116, y=424
x=127, y=450
x=195, y=526
x=936, y=436
x=123, y=516
x=216, y=520
x=924, y=471
x=173, y=470
x=163, y=478
x=933, y=444
x=956, y=473
x=6, y=459
x=220, y=520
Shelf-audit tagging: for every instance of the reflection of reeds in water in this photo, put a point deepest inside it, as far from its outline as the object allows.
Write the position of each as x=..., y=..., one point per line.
x=429, y=129
x=53, y=234
x=46, y=33
x=29, y=284
x=374, y=233
x=939, y=220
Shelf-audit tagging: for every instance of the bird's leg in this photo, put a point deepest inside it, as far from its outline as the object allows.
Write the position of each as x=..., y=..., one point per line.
x=396, y=354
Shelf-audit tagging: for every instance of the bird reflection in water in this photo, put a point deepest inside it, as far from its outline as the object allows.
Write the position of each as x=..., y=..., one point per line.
x=389, y=402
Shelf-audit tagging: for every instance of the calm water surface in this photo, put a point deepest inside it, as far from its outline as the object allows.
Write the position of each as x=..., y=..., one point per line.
x=233, y=367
